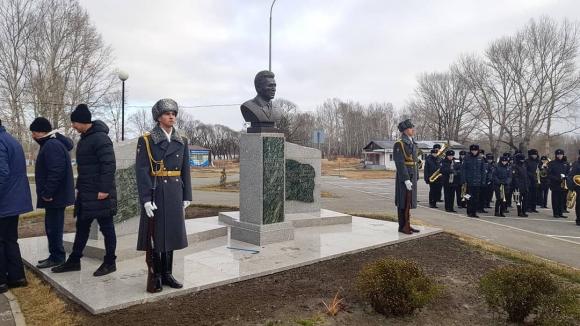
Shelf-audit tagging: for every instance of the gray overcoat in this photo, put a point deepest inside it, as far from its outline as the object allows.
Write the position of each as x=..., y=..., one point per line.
x=405, y=172
x=170, y=233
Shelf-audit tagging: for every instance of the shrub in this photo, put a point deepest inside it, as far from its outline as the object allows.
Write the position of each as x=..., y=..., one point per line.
x=517, y=290
x=395, y=287
x=560, y=309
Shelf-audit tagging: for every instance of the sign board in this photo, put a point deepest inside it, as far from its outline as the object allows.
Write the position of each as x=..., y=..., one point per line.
x=318, y=136
x=199, y=158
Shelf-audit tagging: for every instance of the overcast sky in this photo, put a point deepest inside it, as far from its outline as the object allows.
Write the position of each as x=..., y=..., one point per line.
x=202, y=52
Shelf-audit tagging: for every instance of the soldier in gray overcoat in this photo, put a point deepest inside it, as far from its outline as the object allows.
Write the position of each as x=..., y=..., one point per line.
x=405, y=157
x=164, y=184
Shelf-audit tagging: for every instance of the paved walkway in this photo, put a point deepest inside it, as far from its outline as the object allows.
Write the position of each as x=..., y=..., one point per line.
x=10, y=314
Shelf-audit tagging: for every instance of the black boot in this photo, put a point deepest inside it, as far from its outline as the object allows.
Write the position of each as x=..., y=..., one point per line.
x=104, y=269
x=167, y=277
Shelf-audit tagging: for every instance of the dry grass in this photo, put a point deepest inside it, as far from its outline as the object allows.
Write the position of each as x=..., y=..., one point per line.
x=328, y=194
x=335, y=306
x=232, y=186
x=42, y=306
x=351, y=168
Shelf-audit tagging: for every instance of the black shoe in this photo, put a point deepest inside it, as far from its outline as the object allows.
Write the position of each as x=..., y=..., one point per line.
x=43, y=260
x=68, y=266
x=578, y=223
x=534, y=211
x=167, y=279
x=48, y=263
x=415, y=230
x=105, y=269
x=3, y=288
x=566, y=211
x=523, y=215
x=17, y=284
x=401, y=231
x=432, y=206
x=497, y=214
x=563, y=216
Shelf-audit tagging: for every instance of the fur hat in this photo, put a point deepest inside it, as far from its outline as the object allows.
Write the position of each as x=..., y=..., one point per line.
x=162, y=106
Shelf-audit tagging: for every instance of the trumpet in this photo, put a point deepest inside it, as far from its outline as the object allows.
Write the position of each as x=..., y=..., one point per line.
x=502, y=192
x=517, y=197
x=435, y=176
x=464, y=192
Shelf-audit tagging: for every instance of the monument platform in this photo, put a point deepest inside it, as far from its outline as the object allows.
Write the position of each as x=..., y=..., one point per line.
x=215, y=261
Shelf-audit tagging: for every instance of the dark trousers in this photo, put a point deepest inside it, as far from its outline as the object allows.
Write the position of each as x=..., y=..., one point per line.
x=82, y=236
x=557, y=204
x=542, y=195
x=54, y=227
x=485, y=195
x=523, y=202
x=563, y=198
x=11, y=267
x=460, y=202
x=434, y=193
x=532, y=190
x=500, y=204
x=473, y=201
x=449, y=193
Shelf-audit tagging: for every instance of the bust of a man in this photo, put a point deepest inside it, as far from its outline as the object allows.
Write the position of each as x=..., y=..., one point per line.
x=259, y=111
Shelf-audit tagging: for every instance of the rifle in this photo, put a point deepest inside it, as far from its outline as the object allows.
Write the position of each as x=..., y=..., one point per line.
x=408, y=201
x=153, y=279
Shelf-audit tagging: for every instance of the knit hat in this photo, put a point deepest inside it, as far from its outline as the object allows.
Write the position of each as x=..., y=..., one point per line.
x=40, y=124
x=81, y=114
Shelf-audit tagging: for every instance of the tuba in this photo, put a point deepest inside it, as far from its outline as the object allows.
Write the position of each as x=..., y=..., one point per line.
x=571, y=196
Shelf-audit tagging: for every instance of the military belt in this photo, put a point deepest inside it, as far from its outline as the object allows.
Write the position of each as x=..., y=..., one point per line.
x=166, y=174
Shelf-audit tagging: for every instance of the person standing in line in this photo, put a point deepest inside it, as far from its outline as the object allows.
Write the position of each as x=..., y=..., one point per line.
x=557, y=172
x=54, y=185
x=473, y=172
x=450, y=180
x=97, y=193
x=544, y=183
x=15, y=199
x=501, y=183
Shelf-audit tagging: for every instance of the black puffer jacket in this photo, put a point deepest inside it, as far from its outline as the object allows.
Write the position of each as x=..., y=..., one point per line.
x=96, y=173
x=53, y=172
x=520, y=179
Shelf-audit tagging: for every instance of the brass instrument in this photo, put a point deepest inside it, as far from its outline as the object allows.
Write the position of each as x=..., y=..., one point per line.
x=571, y=196
x=544, y=169
x=502, y=192
x=538, y=175
x=564, y=185
x=442, y=150
x=435, y=176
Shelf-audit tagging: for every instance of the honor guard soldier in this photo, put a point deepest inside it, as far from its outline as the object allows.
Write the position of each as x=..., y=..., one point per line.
x=532, y=167
x=488, y=187
x=431, y=166
x=405, y=157
x=520, y=183
x=501, y=183
x=557, y=174
x=164, y=184
x=473, y=172
x=451, y=180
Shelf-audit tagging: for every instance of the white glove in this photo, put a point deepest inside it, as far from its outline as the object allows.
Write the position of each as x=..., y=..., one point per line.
x=186, y=203
x=149, y=208
x=409, y=185
x=562, y=176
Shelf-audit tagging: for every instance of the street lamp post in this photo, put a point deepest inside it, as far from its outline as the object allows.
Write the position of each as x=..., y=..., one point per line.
x=123, y=76
x=270, y=44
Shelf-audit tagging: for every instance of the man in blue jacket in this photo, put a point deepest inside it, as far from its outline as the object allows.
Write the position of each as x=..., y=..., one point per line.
x=54, y=185
x=14, y=200
x=473, y=173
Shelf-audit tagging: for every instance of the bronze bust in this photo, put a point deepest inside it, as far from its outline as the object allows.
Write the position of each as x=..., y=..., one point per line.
x=259, y=111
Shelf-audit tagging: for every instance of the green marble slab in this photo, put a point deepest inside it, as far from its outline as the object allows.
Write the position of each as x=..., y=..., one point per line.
x=273, y=186
x=299, y=181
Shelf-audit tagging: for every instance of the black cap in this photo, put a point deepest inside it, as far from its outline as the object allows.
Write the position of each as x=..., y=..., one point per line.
x=81, y=114
x=434, y=151
x=507, y=154
x=520, y=157
x=532, y=152
x=41, y=124
x=437, y=146
x=543, y=158
x=504, y=159
x=489, y=156
x=405, y=125
x=559, y=151
x=474, y=147
x=450, y=153
x=461, y=152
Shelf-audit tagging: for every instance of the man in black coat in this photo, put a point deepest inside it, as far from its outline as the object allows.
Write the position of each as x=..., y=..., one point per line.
x=14, y=200
x=501, y=182
x=521, y=183
x=54, y=185
x=557, y=171
x=544, y=187
x=488, y=187
x=565, y=193
x=164, y=184
x=532, y=165
x=457, y=165
x=574, y=185
x=97, y=194
x=473, y=172
x=431, y=165
x=450, y=179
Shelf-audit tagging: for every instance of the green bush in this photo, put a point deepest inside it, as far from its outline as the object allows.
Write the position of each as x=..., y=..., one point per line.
x=517, y=290
x=560, y=309
x=395, y=287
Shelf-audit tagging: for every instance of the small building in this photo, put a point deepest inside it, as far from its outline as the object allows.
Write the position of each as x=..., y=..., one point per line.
x=378, y=154
x=199, y=156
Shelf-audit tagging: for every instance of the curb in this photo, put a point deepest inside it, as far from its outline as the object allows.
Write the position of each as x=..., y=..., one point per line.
x=15, y=307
